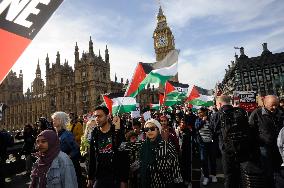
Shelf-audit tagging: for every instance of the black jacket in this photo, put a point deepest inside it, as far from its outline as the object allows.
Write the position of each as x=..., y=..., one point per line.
x=268, y=124
x=120, y=159
x=215, y=124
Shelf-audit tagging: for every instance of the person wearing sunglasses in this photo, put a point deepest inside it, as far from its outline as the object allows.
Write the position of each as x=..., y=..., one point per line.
x=159, y=167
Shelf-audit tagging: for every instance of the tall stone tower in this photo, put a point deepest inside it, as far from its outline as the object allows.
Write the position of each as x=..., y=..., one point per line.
x=38, y=83
x=163, y=37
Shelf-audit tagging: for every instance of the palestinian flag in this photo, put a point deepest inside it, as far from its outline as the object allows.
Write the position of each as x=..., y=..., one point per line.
x=200, y=97
x=155, y=106
x=159, y=72
x=159, y=76
x=175, y=93
x=141, y=71
x=20, y=21
x=118, y=104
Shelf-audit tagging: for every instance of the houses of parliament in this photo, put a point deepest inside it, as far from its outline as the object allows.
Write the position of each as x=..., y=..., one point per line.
x=76, y=90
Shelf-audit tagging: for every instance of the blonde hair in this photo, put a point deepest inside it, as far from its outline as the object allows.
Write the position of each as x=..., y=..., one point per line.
x=64, y=118
x=224, y=99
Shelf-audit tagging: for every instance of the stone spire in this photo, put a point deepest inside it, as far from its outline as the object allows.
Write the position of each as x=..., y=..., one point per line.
x=161, y=17
x=58, y=58
x=76, y=53
x=47, y=64
x=161, y=13
x=21, y=74
x=91, y=50
x=265, y=49
x=106, y=55
x=100, y=57
x=38, y=71
x=242, y=53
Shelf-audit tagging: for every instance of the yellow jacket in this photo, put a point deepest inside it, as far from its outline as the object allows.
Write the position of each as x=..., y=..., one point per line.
x=77, y=131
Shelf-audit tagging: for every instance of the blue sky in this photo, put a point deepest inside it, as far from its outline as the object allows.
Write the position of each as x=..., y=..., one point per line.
x=205, y=31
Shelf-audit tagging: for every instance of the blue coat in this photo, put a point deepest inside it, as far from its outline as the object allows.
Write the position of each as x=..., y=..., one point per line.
x=68, y=144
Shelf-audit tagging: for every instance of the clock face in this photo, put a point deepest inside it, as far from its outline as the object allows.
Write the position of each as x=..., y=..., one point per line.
x=162, y=41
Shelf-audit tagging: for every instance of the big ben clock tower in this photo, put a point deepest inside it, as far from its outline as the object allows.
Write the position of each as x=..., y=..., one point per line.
x=163, y=37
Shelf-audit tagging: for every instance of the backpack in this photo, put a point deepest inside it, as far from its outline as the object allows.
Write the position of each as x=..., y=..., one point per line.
x=236, y=133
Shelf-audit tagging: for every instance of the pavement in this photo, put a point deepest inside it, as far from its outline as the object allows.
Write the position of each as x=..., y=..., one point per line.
x=21, y=180
x=197, y=176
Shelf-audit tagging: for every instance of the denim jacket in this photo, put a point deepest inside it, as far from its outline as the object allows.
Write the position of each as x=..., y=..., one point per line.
x=61, y=173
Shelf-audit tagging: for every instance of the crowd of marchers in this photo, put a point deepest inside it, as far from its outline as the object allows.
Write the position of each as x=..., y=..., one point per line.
x=105, y=151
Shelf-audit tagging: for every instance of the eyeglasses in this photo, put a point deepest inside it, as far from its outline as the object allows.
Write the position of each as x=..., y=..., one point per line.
x=146, y=129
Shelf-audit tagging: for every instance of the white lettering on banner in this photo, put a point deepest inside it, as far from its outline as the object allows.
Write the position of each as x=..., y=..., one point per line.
x=180, y=89
x=19, y=11
x=250, y=97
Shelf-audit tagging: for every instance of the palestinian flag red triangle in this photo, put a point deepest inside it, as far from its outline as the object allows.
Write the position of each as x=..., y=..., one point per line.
x=108, y=99
x=193, y=94
x=140, y=73
x=169, y=88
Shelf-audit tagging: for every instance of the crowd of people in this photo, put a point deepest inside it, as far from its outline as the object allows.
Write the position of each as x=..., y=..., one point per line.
x=121, y=151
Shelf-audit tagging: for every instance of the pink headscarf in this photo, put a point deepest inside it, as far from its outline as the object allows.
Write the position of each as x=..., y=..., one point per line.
x=45, y=159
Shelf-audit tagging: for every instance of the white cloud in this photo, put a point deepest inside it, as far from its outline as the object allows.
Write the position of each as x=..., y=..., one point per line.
x=205, y=67
x=231, y=14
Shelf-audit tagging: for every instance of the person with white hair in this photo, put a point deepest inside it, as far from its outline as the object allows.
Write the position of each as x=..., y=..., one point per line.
x=67, y=141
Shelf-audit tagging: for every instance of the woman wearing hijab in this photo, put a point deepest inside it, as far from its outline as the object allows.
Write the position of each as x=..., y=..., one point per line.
x=158, y=159
x=53, y=168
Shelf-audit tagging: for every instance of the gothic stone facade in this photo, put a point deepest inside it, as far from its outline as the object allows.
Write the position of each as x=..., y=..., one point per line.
x=68, y=90
x=263, y=74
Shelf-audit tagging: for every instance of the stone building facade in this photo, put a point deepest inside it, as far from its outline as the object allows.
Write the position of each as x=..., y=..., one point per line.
x=76, y=90
x=263, y=74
